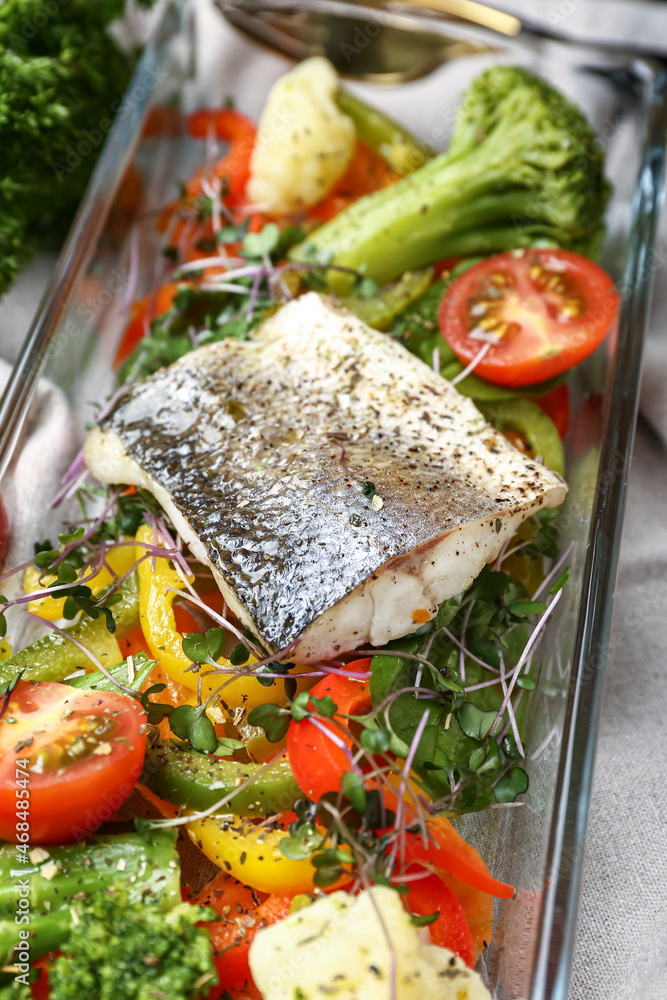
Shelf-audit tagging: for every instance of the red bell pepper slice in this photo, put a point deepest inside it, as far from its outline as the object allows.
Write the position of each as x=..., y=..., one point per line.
x=317, y=762
x=450, y=930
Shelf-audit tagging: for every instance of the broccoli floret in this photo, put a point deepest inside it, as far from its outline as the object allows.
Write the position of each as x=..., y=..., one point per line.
x=523, y=168
x=61, y=76
x=134, y=951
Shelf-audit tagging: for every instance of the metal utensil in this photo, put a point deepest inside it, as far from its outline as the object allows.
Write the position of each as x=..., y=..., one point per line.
x=403, y=47
x=391, y=41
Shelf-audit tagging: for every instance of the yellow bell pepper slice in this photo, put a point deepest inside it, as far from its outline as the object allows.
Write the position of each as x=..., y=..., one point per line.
x=118, y=559
x=165, y=641
x=251, y=854
x=156, y=611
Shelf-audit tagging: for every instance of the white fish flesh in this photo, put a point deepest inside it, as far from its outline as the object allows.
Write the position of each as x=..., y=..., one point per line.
x=260, y=452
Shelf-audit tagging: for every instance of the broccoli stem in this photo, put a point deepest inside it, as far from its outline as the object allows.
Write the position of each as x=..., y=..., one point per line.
x=522, y=166
x=399, y=147
x=149, y=869
x=97, y=681
x=53, y=657
x=443, y=210
x=381, y=310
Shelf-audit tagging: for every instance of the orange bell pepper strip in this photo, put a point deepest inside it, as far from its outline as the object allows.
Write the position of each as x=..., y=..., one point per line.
x=478, y=908
x=455, y=855
x=318, y=764
x=234, y=167
x=232, y=170
x=142, y=314
x=367, y=172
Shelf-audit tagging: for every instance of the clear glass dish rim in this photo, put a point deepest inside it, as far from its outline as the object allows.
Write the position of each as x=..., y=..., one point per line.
x=573, y=791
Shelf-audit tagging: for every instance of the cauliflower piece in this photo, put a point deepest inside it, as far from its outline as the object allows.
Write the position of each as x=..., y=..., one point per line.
x=304, y=143
x=337, y=948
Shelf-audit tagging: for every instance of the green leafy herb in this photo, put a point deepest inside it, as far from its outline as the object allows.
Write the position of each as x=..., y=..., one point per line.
x=204, y=647
x=193, y=725
x=259, y=244
x=424, y=920
x=272, y=719
x=352, y=787
x=323, y=706
x=300, y=709
x=514, y=783
x=239, y=655
x=155, y=712
x=474, y=722
x=6, y=690
x=227, y=746
x=560, y=582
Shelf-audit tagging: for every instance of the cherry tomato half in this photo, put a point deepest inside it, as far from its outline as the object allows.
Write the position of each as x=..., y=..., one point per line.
x=540, y=311
x=82, y=751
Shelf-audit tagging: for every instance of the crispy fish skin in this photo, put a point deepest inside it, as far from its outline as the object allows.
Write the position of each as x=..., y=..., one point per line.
x=259, y=452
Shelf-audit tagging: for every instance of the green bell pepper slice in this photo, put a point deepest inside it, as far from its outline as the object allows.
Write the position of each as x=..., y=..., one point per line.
x=527, y=419
x=380, y=310
x=197, y=781
x=402, y=151
x=53, y=657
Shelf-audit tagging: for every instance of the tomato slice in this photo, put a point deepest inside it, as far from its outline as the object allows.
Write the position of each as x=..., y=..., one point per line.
x=450, y=930
x=317, y=762
x=540, y=311
x=83, y=752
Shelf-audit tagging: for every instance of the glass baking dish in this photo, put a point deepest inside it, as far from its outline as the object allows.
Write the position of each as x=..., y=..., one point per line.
x=113, y=256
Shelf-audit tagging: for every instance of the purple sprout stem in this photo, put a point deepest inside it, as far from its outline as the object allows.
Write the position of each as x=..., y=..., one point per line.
x=252, y=298
x=35, y=595
x=133, y=276
x=545, y=743
x=462, y=655
x=91, y=656
x=524, y=656
x=467, y=652
x=554, y=569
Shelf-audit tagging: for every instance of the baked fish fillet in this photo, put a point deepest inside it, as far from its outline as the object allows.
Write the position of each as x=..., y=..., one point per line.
x=259, y=452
